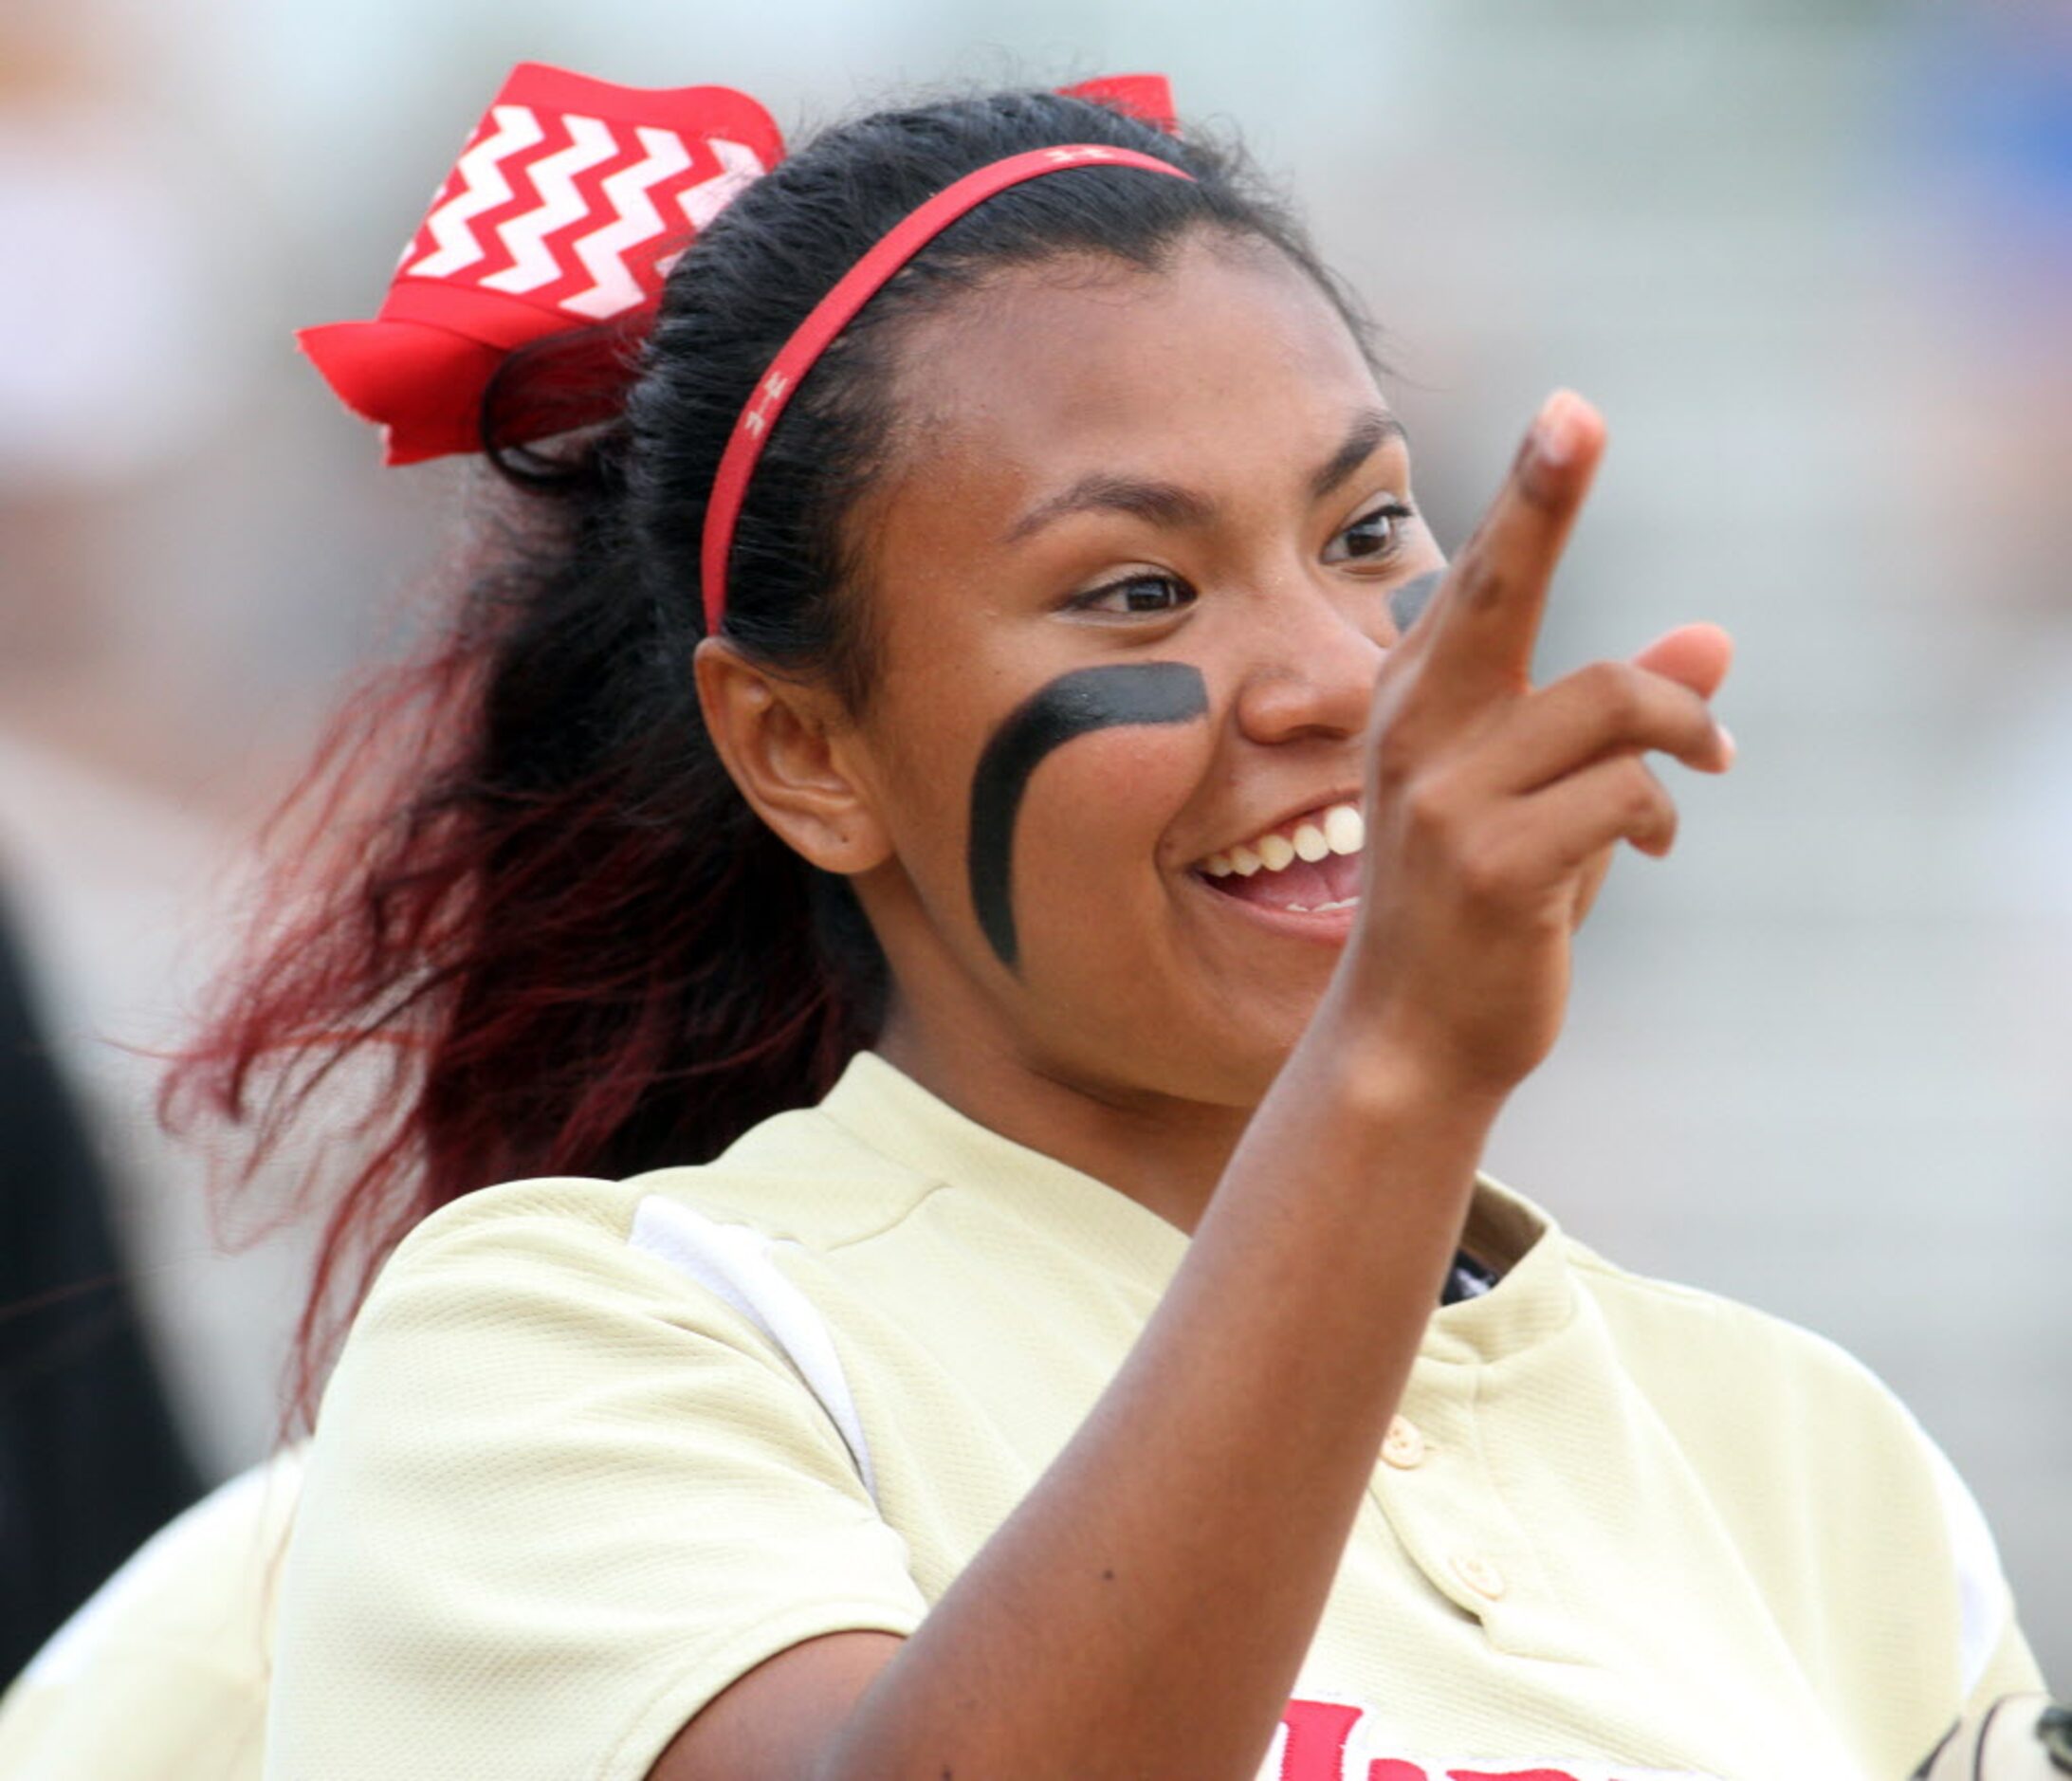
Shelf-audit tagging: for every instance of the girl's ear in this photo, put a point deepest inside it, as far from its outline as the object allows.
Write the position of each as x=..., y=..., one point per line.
x=790, y=748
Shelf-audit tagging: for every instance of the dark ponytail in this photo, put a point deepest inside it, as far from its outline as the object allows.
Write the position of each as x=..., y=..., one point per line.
x=567, y=940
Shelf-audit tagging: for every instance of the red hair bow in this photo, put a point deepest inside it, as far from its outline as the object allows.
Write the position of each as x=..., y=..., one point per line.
x=568, y=205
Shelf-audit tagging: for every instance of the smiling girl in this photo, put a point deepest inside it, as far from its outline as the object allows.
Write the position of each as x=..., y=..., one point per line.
x=988, y=937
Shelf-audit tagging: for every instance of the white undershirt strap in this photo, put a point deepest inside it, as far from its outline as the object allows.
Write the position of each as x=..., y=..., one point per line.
x=733, y=1261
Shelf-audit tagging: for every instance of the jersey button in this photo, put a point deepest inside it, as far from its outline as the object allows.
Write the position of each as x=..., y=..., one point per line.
x=1403, y=1446
x=1478, y=1574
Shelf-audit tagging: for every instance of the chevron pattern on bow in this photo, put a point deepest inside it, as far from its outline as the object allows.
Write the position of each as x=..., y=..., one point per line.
x=570, y=201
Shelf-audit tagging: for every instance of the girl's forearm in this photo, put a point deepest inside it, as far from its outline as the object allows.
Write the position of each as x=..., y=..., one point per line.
x=1146, y=1609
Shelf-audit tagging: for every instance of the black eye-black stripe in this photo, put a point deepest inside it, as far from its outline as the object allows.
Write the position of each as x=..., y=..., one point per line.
x=1116, y=695
x=1408, y=603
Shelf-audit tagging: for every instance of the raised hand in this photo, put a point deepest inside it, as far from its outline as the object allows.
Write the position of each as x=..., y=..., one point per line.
x=1493, y=805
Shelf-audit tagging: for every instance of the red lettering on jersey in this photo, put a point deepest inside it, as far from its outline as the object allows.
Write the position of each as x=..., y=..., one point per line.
x=1317, y=1731
x=1317, y=1736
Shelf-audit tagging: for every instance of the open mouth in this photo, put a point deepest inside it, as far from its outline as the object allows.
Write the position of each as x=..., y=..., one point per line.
x=1307, y=865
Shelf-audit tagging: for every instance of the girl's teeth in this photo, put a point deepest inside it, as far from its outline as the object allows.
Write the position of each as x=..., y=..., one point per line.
x=1339, y=830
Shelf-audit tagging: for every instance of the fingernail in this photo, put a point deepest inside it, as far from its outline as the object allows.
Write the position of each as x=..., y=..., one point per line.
x=1726, y=745
x=1554, y=432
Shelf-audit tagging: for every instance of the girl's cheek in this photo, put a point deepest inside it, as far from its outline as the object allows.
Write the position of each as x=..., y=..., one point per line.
x=1090, y=845
x=1076, y=778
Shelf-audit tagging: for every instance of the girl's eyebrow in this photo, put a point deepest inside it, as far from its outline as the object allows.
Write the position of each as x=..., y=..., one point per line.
x=1172, y=506
x=1371, y=429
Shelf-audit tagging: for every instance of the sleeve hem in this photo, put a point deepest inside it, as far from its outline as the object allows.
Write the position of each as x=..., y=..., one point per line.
x=685, y=1693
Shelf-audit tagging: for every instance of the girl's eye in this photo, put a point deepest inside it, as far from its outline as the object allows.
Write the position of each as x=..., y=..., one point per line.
x=1136, y=593
x=1372, y=535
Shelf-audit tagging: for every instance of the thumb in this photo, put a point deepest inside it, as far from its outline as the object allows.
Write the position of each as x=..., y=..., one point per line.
x=1694, y=655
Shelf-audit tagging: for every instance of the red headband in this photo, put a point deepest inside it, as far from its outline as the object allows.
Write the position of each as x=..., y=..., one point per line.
x=833, y=313
x=568, y=205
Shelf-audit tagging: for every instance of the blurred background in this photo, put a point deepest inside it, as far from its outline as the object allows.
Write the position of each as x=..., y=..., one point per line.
x=1812, y=257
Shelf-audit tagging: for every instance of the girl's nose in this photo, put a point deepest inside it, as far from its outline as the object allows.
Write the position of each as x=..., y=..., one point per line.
x=1315, y=676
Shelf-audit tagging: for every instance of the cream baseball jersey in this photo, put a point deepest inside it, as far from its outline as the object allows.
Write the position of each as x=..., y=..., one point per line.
x=162, y=1675
x=594, y=1450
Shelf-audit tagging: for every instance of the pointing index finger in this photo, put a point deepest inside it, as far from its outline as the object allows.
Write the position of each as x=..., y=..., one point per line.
x=1487, y=619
